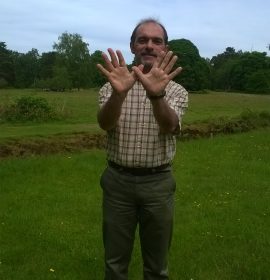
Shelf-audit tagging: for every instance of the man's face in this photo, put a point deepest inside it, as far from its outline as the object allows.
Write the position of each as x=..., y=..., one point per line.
x=149, y=43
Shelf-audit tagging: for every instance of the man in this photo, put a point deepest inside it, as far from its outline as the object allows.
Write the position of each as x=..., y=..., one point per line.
x=141, y=111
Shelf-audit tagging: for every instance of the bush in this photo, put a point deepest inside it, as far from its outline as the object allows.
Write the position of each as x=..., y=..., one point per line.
x=247, y=121
x=259, y=82
x=29, y=108
x=3, y=83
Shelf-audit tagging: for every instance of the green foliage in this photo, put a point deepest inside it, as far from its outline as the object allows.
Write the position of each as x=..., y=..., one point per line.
x=73, y=54
x=3, y=83
x=26, y=68
x=7, y=76
x=196, y=71
x=28, y=108
x=58, y=82
x=228, y=71
x=47, y=62
x=259, y=81
x=95, y=77
x=239, y=71
x=246, y=121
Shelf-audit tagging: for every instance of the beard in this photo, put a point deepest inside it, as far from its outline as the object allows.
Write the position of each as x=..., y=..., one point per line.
x=145, y=62
x=147, y=67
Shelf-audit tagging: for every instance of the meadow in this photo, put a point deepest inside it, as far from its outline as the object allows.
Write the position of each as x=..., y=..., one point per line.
x=80, y=109
x=51, y=217
x=50, y=205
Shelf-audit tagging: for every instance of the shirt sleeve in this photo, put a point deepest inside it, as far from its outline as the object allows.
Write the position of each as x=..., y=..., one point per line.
x=104, y=94
x=177, y=98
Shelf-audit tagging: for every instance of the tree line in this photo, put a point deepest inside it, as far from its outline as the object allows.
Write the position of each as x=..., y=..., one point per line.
x=70, y=65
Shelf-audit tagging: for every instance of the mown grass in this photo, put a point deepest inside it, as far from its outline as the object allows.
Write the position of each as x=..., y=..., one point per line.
x=223, y=208
x=50, y=218
x=80, y=109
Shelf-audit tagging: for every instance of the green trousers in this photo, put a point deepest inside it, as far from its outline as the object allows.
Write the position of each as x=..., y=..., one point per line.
x=128, y=201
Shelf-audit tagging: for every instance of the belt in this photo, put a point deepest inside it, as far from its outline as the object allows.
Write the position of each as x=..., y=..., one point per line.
x=140, y=171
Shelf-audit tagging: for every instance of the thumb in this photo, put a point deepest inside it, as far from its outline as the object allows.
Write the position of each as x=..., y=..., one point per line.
x=141, y=66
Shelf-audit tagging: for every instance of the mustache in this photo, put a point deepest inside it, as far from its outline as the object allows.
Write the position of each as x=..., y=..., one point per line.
x=149, y=53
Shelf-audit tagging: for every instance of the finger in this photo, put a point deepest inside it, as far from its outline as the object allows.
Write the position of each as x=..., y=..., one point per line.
x=175, y=73
x=113, y=58
x=103, y=70
x=138, y=71
x=141, y=66
x=107, y=61
x=170, y=65
x=160, y=59
x=120, y=58
x=166, y=60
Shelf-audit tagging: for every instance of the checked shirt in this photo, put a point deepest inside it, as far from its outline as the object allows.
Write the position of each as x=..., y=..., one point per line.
x=136, y=141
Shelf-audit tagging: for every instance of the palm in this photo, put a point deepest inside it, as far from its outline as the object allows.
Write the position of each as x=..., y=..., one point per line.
x=156, y=80
x=117, y=72
x=121, y=79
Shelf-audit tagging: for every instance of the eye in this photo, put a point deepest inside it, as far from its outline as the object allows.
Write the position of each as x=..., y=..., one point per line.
x=158, y=41
x=142, y=40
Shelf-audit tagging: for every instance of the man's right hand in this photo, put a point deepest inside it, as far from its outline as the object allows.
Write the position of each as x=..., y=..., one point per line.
x=117, y=73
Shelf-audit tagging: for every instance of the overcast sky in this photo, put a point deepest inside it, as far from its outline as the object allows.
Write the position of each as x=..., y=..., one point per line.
x=211, y=25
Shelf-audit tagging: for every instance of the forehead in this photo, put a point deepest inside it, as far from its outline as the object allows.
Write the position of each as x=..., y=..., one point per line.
x=151, y=30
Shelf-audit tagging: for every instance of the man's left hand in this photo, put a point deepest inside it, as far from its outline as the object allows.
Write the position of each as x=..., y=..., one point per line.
x=156, y=80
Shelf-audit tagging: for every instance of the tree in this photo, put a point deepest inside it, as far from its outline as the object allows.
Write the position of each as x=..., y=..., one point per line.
x=7, y=75
x=241, y=71
x=259, y=82
x=26, y=68
x=228, y=76
x=60, y=80
x=74, y=55
x=196, y=71
x=95, y=77
x=229, y=53
x=47, y=62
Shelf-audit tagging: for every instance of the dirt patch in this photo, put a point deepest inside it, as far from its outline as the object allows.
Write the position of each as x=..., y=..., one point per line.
x=84, y=141
x=51, y=145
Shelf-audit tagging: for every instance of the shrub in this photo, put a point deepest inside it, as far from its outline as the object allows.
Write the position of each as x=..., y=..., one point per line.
x=29, y=108
x=3, y=83
x=246, y=121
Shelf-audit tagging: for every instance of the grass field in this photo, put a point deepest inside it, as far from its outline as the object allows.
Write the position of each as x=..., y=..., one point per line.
x=50, y=218
x=81, y=108
x=50, y=206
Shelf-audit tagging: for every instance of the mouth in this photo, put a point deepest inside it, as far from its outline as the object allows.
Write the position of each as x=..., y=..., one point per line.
x=148, y=55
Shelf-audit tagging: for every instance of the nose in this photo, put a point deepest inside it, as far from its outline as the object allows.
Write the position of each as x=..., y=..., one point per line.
x=149, y=44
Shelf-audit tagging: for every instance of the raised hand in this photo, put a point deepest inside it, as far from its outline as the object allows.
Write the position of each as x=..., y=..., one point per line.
x=156, y=80
x=116, y=71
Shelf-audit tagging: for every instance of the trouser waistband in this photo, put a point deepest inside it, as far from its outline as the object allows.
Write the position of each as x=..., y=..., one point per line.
x=140, y=171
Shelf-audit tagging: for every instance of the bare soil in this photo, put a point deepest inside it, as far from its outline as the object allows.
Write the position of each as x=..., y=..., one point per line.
x=51, y=145
x=84, y=141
